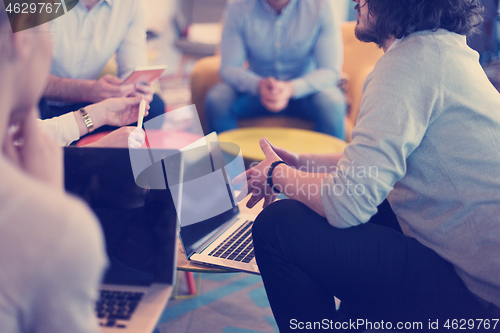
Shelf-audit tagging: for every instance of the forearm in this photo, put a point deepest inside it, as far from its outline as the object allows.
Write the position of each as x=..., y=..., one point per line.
x=62, y=130
x=315, y=81
x=243, y=80
x=328, y=55
x=68, y=90
x=301, y=186
x=234, y=54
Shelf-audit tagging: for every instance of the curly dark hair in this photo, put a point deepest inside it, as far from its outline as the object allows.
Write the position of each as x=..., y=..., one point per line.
x=403, y=17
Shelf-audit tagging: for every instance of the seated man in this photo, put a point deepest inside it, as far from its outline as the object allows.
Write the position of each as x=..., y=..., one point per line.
x=51, y=246
x=84, y=40
x=404, y=225
x=294, y=54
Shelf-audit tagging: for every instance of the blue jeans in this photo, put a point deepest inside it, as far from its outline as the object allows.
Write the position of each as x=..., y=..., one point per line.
x=224, y=106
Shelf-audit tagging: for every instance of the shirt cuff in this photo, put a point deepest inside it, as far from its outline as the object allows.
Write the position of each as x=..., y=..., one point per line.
x=63, y=129
x=253, y=84
x=300, y=88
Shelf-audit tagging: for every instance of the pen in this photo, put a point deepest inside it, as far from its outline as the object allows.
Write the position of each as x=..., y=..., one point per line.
x=142, y=110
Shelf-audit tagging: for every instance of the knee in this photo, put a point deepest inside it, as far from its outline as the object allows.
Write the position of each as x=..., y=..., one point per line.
x=278, y=220
x=220, y=98
x=330, y=101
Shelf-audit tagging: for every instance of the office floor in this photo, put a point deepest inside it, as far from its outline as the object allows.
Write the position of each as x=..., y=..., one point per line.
x=228, y=302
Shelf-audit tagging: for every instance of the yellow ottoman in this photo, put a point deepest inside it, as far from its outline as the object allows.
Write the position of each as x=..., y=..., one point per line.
x=296, y=140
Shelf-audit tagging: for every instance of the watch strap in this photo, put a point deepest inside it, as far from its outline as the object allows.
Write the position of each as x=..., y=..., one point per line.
x=87, y=120
x=270, y=175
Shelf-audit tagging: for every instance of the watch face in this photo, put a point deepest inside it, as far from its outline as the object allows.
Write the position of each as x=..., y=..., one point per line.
x=87, y=120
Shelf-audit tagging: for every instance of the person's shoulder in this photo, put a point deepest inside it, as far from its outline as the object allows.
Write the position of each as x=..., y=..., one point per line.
x=52, y=240
x=422, y=45
x=317, y=9
x=318, y=3
x=241, y=7
x=414, y=56
x=411, y=68
x=43, y=212
x=127, y=8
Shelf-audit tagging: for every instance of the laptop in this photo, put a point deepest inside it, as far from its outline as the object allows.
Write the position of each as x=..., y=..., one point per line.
x=140, y=230
x=213, y=231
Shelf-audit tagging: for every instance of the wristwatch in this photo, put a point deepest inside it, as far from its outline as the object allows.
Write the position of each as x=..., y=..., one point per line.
x=87, y=120
x=270, y=175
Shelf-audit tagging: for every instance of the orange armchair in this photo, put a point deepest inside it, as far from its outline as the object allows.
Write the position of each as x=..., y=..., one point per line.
x=359, y=60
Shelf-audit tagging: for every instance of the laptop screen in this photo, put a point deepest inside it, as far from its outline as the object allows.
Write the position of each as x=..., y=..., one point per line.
x=139, y=225
x=208, y=200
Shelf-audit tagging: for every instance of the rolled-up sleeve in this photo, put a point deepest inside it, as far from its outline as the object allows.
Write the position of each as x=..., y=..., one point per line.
x=395, y=113
x=233, y=55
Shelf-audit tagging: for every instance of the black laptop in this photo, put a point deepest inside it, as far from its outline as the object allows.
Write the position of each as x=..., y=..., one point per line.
x=140, y=229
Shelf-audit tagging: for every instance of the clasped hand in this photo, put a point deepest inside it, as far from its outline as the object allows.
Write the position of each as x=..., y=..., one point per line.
x=275, y=95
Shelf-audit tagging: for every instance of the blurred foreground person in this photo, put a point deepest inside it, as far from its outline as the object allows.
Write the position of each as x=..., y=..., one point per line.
x=51, y=246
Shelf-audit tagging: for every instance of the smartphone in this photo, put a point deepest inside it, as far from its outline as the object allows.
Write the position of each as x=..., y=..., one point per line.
x=145, y=75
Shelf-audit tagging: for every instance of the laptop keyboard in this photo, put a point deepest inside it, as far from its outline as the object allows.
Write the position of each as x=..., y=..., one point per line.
x=116, y=305
x=238, y=246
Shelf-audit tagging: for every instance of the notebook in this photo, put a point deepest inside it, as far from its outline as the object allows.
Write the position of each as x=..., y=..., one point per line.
x=213, y=231
x=140, y=229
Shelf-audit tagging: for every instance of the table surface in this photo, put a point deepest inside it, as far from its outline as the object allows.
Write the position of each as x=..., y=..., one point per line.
x=296, y=140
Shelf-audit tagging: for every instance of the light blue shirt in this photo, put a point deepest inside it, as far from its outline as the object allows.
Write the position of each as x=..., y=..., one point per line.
x=302, y=44
x=85, y=40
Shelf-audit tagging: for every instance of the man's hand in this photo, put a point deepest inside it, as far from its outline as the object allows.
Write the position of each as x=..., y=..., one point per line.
x=256, y=178
x=115, y=111
x=293, y=159
x=127, y=136
x=28, y=148
x=109, y=86
x=275, y=95
x=123, y=111
x=145, y=90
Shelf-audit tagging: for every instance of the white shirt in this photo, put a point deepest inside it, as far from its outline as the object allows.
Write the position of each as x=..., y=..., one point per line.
x=85, y=40
x=51, y=258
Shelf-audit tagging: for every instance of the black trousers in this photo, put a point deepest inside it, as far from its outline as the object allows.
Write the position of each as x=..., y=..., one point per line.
x=156, y=108
x=374, y=269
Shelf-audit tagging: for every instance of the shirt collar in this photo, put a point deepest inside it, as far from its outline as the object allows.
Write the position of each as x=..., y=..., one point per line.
x=109, y=2
x=285, y=10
